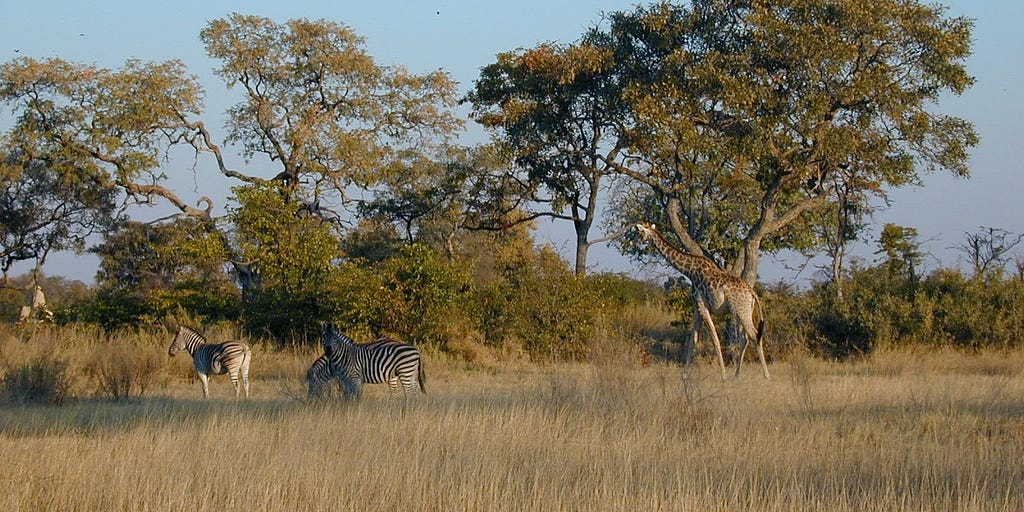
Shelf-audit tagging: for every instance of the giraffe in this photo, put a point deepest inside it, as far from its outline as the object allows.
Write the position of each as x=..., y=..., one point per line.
x=37, y=310
x=712, y=290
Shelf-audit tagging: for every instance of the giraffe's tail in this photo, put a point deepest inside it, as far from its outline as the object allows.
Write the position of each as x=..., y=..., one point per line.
x=760, y=319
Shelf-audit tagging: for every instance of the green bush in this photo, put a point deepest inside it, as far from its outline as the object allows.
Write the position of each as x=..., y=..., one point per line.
x=941, y=309
x=540, y=305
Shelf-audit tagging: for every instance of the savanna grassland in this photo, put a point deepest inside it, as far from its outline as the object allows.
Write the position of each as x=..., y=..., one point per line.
x=937, y=430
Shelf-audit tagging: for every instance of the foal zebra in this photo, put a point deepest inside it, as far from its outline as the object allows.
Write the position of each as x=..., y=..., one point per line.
x=318, y=375
x=384, y=360
x=231, y=357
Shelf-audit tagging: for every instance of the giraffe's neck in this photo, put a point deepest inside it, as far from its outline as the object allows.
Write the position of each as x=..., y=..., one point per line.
x=695, y=267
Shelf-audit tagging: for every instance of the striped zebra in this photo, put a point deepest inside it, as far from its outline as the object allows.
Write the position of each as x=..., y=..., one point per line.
x=385, y=360
x=231, y=357
x=318, y=375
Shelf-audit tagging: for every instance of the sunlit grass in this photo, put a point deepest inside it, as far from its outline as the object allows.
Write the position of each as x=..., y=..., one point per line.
x=901, y=431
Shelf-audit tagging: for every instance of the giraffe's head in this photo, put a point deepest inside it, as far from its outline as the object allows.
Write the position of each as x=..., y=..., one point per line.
x=646, y=230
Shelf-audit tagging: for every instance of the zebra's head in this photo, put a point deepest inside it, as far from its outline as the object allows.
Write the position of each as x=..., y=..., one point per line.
x=180, y=341
x=318, y=374
x=332, y=339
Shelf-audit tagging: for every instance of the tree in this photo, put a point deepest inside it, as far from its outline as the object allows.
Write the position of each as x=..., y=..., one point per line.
x=988, y=249
x=440, y=203
x=48, y=206
x=157, y=269
x=902, y=252
x=554, y=108
x=145, y=256
x=94, y=126
x=841, y=221
x=292, y=253
x=78, y=137
x=744, y=114
x=315, y=104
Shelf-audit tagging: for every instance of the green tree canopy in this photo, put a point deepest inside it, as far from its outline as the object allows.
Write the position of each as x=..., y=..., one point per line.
x=81, y=138
x=745, y=116
x=319, y=107
x=316, y=110
x=555, y=108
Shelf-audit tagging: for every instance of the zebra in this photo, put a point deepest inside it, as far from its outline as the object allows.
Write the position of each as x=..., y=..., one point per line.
x=318, y=375
x=231, y=357
x=383, y=360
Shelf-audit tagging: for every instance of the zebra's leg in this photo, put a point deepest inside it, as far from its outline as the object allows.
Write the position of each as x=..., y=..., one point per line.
x=393, y=385
x=353, y=388
x=234, y=381
x=409, y=384
x=205, y=379
x=245, y=373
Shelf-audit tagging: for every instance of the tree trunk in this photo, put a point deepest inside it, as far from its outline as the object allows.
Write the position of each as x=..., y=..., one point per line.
x=582, y=227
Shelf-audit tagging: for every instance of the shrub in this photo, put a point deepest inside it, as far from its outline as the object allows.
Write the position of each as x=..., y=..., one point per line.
x=42, y=380
x=121, y=370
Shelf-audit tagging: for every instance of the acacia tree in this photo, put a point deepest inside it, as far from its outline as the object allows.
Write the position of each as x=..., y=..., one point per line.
x=316, y=110
x=78, y=137
x=988, y=249
x=319, y=107
x=554, y=109
x=744, y=114
x=46, y=207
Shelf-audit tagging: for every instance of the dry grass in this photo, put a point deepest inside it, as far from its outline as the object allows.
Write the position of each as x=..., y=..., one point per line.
x=903, y=431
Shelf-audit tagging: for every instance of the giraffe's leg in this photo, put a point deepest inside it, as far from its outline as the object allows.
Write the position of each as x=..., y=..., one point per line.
x=688, y=351
x=706, y=315
x=744, y=340
x=760, y=355
x=759, y=339
x=751, y=334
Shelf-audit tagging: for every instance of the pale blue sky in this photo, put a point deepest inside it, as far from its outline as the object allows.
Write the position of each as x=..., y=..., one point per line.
x=461, y=36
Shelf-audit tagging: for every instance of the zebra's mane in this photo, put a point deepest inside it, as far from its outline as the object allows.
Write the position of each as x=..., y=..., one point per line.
x=192, y=333
x=333, y=338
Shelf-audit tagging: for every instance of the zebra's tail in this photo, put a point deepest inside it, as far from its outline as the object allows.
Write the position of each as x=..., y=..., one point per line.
x=421, y=377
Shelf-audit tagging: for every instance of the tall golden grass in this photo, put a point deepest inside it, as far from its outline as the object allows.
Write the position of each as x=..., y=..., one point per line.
x=901, y=431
